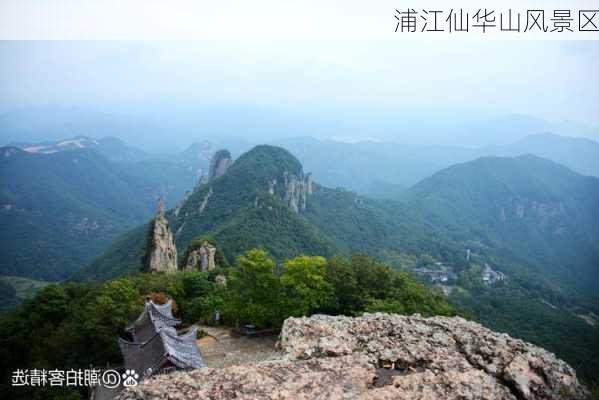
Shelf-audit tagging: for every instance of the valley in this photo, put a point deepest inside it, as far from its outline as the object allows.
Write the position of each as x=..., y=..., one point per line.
x=508, y=241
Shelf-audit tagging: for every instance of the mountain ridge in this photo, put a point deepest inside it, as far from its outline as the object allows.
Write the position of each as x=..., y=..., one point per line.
x=75, y=199
x=440, y=222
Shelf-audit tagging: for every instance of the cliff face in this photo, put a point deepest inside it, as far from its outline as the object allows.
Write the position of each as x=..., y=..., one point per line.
x=220, y=162
x=202, y=258
x=297, y=190
x=381, y=356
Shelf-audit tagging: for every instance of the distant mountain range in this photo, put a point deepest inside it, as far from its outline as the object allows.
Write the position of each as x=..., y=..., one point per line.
x=171, y=125
x=527, y=209
x=531, y=219
x=136, y=179
x=385, y=169
x=63, y=202
x=579, y=154
x=110, y=147
x=58, y=209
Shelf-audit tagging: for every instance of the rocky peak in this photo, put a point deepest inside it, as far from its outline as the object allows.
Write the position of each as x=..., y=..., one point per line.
x=220, y=163
x=202, y=258
x=162, y=256
x=382, y=356
x=161, y=207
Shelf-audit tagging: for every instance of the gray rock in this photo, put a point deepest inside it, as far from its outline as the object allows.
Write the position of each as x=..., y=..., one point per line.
x=297, y=190
x=381, y=356
x=221, y=161
x=448, y=349
x=202, y=258
x=163, y=255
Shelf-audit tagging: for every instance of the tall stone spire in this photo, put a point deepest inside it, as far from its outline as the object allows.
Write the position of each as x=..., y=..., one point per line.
x=162, y=255
x=161, y=206
x=202, y=258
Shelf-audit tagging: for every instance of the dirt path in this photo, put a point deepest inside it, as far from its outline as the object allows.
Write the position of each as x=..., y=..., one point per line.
x=221, y=348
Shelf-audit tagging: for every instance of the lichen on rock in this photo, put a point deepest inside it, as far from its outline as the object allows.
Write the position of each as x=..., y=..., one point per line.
x=382, y=356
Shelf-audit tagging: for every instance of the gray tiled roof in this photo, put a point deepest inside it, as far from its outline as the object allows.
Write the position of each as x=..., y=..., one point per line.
x=156, y=342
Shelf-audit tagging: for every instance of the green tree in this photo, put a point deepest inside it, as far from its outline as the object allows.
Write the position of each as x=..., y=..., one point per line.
x=304, y=284
x=408, y=296
x=344, y=281
x=374, y=278
x=114, y=307
x=254, y=291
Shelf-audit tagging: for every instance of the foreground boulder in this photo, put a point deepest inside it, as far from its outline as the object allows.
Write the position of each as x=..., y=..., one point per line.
x=381, y=356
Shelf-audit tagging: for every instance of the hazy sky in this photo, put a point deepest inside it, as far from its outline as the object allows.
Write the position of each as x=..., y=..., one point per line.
x=551, y=80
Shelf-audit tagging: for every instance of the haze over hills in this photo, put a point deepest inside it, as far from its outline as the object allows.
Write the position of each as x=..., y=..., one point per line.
x=386, y=169
x=72, y=197
x=541, y=212
x=60, y=208
x=110, y=147
x=181, y=123
x=526, y=217
x=250, y=181
x=532, y=220
x=266, y=200
x=579, y=154
x=526, y=208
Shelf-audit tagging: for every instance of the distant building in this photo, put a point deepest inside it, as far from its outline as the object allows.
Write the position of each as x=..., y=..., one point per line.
x=441, y=275
x=490, y=276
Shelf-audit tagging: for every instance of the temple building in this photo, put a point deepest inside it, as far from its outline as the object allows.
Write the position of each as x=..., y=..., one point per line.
x=156, y=347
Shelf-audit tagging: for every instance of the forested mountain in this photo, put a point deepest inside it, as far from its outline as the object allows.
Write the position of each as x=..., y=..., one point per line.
x=528, y=208
x=58, y=210
x=172, y=174
x=530, y=226
x=266, y=200
x=529, y=221
x=110, y=147
x=250, y=205
x=63, y=202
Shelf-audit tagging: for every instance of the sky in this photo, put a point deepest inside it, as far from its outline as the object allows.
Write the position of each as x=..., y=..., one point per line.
x=336, y=89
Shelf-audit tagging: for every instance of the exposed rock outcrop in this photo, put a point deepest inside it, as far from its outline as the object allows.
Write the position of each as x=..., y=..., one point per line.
x=205, y=201
x=381, y=356
x=186, y=197
x=163, y=253
x=297, y=190
x=202, y=258
x=220, y=280
x=221, y=161
x=544, y=213
x=193, y=260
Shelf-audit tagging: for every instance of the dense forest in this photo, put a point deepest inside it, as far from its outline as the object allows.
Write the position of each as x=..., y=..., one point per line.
x=75, y=325
x=528, y=218
x=72, y=198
